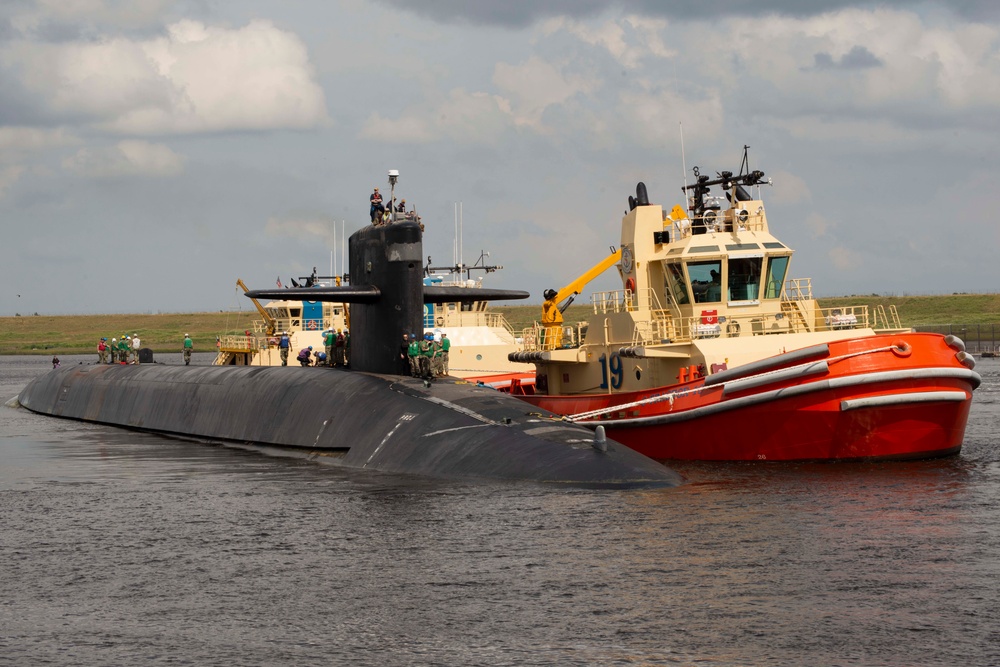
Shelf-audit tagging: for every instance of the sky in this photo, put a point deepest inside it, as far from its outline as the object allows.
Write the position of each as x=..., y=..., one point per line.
x=154, y=151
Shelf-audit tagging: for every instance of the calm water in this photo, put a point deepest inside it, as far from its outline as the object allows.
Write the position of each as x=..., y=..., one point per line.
x=119, y=548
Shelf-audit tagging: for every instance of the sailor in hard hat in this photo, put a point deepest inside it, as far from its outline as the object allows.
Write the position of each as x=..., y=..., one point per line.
x=413, y=355
x=188, y=347
x=284, y=344
x=426, y=352
x=339, y=356
x=328, y=347
x=552, y=319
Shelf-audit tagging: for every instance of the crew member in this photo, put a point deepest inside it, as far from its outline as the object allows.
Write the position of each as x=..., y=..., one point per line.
x=552, y=319
x=426, y=351
x=328, y=346
x=135, y=348
x=305, y=356
x=102, y=351
x=339, y=352
x=283, y=345
x=405, y=366
x=413, y=355
x=437, y=367
x=445, y=346
x=188, y=347
x=376, y=205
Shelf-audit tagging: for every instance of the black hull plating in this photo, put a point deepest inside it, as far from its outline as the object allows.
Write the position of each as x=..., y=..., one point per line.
x=378, y=422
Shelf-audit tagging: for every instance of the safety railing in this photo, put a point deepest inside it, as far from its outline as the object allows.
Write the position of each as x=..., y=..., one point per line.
x=798, y=289
x=843, y=317
x=538, y=338
x=751, y=219
x=241, y=343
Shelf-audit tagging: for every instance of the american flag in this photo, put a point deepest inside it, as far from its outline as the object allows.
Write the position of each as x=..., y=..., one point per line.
x=279, y=282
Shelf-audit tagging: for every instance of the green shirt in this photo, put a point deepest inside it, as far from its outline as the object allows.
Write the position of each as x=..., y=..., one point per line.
x=188, y=343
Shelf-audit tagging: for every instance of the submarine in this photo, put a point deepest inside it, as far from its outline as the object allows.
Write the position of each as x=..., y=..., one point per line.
x=369, y=417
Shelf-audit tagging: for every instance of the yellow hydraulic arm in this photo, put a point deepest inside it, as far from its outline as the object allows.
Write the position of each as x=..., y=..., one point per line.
x=551, y=311
x=268, y=320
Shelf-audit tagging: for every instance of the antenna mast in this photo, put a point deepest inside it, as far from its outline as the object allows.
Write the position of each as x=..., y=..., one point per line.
x=684, y=169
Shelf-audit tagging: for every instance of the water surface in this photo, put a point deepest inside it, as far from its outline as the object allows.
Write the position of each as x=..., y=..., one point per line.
x=123, y=548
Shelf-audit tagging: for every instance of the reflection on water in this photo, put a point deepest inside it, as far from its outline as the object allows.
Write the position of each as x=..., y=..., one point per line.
x=127, y=548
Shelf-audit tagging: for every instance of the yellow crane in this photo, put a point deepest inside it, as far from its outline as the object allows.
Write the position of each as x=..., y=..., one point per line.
x=553, y=307
x=269, y=323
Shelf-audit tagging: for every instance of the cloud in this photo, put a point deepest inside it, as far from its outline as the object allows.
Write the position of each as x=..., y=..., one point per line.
x=28, y=139
x=845, y=259
x=195, y=79
x=522, y=13
x=462, y=116
x=307, y=228
x=789, y=189
x=629, y=40
x=50, y=19
x=818, y=225
x=857, y=58
x=534, y=85
x=127, y=158
x=899, y=68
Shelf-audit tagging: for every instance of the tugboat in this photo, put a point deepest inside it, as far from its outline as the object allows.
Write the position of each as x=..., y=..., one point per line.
x=709, y=352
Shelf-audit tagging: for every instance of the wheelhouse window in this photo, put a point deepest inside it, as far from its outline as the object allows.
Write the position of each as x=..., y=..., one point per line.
x=776, y=268
x=744, y=278
x=676, y=284
x=706, y=281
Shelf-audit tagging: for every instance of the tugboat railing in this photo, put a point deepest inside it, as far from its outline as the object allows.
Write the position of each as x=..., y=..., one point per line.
x=750, y=219
x=662, y=326
x=798, y=289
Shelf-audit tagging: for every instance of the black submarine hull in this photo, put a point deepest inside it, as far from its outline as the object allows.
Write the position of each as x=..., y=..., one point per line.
x=387, y=423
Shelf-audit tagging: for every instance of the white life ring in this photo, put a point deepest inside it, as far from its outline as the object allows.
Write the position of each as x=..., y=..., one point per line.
x=312, y=324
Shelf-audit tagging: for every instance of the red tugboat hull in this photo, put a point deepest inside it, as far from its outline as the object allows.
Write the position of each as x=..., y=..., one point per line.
x=891, y=397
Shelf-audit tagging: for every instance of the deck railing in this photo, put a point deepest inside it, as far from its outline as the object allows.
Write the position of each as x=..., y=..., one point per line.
x=745, y=220
x=798, y=314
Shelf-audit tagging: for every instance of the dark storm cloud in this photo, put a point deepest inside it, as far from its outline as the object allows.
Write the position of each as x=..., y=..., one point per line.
x=520, y=13
x=857, y=58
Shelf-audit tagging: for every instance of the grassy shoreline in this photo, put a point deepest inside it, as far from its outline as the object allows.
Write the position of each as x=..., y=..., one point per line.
x=78, y=334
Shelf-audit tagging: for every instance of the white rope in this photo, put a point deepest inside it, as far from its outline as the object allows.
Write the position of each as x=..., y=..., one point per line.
x=672, y=396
